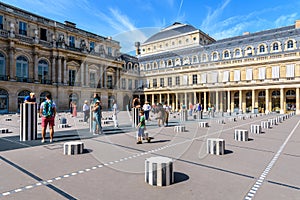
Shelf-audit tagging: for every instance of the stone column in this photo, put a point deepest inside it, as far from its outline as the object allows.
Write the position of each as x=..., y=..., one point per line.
x=12, y=67
x=253, y=100
x=36, y=66
x=82, y=66
x=186, y=100
x=228, y=101
x=267, y=101
x=217, y=101
x=53, y=70
x=66, y=74
x=297, y=101
x=282, y=100
x=221, y=102
x=168, y=99
x=240, y=101
x=195, y=98
x=176, y=101
x=159, y=98
x=152, y=100
x=204, y=103
x=87, y=77
x=105, y=77
x=59, y=80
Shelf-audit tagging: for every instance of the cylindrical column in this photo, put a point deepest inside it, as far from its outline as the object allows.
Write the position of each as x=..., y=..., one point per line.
x=228, y=102
x=267, y=101
x=28, y=121
x=135, y=117
x=253, y=101
x=215, y=146
x=282, y=109
x=297, y=101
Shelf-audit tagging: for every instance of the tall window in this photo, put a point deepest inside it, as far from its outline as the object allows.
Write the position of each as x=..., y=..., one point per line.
x=261, y=48
x=109, y=82
x=136, y=84
x=2, y=65
x=43, y=34
x=92, y=46
x=129, y=84
x=169, y=81
x=226, y=54
x=71, y=41
x=237, y=53
x=275, y=46
x=290, y=44
x=162, y=82
x=177, y=80
x=43, y=71
x=123, y=83
x=154, y=82
x=195, y=79
x=72, y=76
x=22, y=28
x=1, y=22
x=109, y=51
x=22, y=67
x=93, y=79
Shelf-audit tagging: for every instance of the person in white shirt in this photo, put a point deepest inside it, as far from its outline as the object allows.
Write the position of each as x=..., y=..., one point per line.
x=115, y=112
x=86, y=111
x=147, y=108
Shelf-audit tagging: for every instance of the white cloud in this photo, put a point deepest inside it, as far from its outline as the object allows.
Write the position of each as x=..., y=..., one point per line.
x=284, y=20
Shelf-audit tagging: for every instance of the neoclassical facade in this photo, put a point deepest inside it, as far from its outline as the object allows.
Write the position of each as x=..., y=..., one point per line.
x=254, y=72
x=45, y=56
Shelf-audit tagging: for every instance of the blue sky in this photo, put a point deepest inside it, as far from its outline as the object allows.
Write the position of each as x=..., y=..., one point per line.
x=129, y=21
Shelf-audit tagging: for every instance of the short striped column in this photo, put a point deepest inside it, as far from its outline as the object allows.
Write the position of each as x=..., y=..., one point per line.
x=199, y=115
x=232, y=119
x=179, y=128
x=183, y=115
x=241, y=117
x=73, y=148
x=203, y=124
x=3, y=130
x=272, y=122
x=255, y=128
x=265, y=124
x=28, y=121
x=215, y=146
x=159, y=171
x=220, y=121
x=241, y=135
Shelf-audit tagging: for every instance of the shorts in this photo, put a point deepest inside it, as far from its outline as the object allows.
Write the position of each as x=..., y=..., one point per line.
x=141, y=132
x=46, y=121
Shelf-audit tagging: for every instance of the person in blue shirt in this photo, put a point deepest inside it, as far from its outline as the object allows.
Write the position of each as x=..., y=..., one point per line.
x=30, y=99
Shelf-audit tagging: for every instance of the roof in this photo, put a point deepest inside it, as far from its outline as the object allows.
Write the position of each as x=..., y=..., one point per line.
x=173, y=30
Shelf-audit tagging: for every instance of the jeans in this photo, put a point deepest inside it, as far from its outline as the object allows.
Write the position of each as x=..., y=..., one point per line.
x=97, y=128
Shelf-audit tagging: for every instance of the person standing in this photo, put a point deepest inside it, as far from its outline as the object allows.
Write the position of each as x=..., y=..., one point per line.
x=86, y=111
x=141, y=127
x=115, y=112
x=48, y=112
x=97, y=128
x=74, y=113
x=71, y=107
x=31, y=98
x=147, y=108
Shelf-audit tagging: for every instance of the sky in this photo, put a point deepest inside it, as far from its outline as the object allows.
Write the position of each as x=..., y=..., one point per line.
x=129, y=21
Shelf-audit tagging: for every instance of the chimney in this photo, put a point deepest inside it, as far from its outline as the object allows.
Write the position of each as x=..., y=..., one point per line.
x=246, y=33
x=297, y=24
x=70, y=24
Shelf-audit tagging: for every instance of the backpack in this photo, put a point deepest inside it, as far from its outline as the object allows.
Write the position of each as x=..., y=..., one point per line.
x=48, y=109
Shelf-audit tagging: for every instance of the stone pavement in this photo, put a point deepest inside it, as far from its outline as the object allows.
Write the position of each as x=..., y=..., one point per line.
x=112, y=166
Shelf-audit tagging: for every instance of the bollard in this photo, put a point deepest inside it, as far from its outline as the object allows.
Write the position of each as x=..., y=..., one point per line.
x=265, y=124
x=215, y=146
x=28, y=121
x=241, y=135
x=159, y=171
x=135, y=117
x=255, y=129
x=179, y=129
x=203, y=124
x=73, y=148
x=183, y=116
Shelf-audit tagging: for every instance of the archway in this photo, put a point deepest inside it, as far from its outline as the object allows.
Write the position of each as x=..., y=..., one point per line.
x=262, y=101
x=276, y=101
x=290, y=100
x=3, y=101
x=248, y=102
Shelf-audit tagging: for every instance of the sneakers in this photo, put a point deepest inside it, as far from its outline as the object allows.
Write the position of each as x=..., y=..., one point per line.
x=139, y=142
x=43, y=140
x=51, y=140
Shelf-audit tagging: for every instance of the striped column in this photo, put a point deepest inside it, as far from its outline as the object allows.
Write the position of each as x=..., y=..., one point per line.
x=199, y=115
x=179, y=128
x=28, y=121
x=220, y=121
x=91, y=119
x=135, y=117
x=203, y=124
x=232, y=119
x=215, y=146
x=272, y=122
x=183, y=115
x=159, y=171
x=241, y=135
x=255, y=129
x=73, y=148
x=265, y=124
x=3, y=130
x=241, y=117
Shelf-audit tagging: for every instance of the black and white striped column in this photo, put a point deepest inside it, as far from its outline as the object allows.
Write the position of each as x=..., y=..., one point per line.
x=255, y=128
x=215, y=146
x=179, y=129
x=159, y=171
x=183, y=116
x=135, y=117
x=272, y=122
x=232, y=119
x=28, y=121
x=199, y=115
x=73, y=148
x=91, y=119
x=220, y=121
x=203, y=124
x=241, y=135
x=265, y=124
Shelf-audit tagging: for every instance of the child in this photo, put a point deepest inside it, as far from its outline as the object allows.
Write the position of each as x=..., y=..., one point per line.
x=141, y=127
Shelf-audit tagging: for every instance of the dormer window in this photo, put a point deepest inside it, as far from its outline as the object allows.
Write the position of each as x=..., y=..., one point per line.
x=226, y=54
x=215, y=56
x=275, y=46
x=249, y=51
x=290, y=44
x=261, y=49
x=237, y=53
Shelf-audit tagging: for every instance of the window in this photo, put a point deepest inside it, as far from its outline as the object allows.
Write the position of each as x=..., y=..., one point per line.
x=195, y=59
x=43, y=34
x=290, y=44
x=249, y=74
x=136, y=84
x=72, y=41
x=275, y=46
x=203, y=78
x=225, y=76
x=195, y=79
x=261, y=48
x=1, y=22
x=129, y=84
x=109, y=51
x=22, y=67
x=2, y=66
x=213, y=77
x=162, y=64
x=290, y=71
x=92, y=46
x=170, y=63
x=43, y=71
x=249, y=51
x=226, y=54
x=92, y=79
x=154, y=82
x=215, y=56
x=162, y=82
x=169, y=81
x=72, y=76
x=237, y=53
x=185, y=80
x=148, y=83
x=261, y=73
x=204, y=57
x=123, y=83
x=237, y=75
x=177, y=80
x=22, y=28
x=275, y=72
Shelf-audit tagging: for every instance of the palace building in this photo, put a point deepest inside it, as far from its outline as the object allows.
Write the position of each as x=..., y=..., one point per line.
x=43, y=56
x=254, y=72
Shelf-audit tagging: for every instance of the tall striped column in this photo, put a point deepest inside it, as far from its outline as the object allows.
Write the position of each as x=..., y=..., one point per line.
x=183, y=115
x=91, y=119
x=135, y=117
x=28, y=121
x=159, y=171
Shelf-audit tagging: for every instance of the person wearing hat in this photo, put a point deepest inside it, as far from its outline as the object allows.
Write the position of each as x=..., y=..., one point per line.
x=31, y=98
x=86, y=111
x=147, y=108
